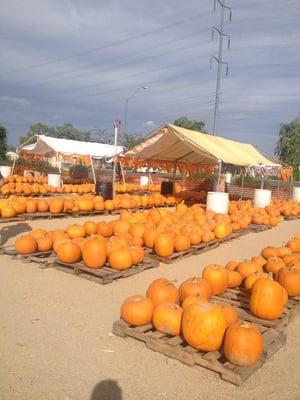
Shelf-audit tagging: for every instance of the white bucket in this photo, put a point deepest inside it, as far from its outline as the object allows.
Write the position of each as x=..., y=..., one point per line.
x=296, y=193
x=5, y=171
x=262, y=198
x=228, y=177
x=217, y=202
x=144, y=180
x=54, y=180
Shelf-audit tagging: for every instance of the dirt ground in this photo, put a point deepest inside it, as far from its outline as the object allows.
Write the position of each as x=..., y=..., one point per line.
x=56, y=341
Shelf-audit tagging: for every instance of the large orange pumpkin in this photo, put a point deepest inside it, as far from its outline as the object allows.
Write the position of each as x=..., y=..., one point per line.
x=86, y=205
x=8, y=212
x=94, y=253
x=19, y=206
x=217, y=276
x=289, y=278
x=269, y=252
x=243, y=344
x=267, y=299
x=56, y=206
x=167, y=318
x=138, y=254
x=194, y=298
x=42, y=206
x=274, y=264
x=105, y=229
x=58, y=242
x=44, y=243
x=31, y=206
x=203, y=326
x=26, y=244
x=182, y=242
x=137, y=310
x=164, y=245
x=69, y=252
x=162, y=291
x=120, y=259
x=194, y=286
x=149, y=238
x=294, y=245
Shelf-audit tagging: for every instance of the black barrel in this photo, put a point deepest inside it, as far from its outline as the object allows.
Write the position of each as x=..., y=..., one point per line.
x=167, y=188
x=104, y=189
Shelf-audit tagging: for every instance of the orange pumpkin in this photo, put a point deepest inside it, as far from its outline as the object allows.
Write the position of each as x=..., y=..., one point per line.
x=120, y=259
x=26, y=244
x=44, y=243
x=105, y=229
x=221, y=230
x=69, y=252
x=194, y=298
x=94, y=252
x=38, y=233
x=194, y=286
x=269, y=252
x=90, y=227
x=42, y=206
x=246, y=268
x=182, y=242
x=137, y=310
x=229, y=312
x=149, y=238
x=164, y=245
x=234, y=279
x=56, y=205
x=274, y=264
x=162, y=291
x=58, y=242
x=289, y=278
x=217, y=276
x=243, y=344
x=75, y=231
x=252, y=278
x=86, y=204
x=294, y=245
x=203, y=326
x=8, y=212
x=31, y=206
x=167, y=318
x=231, y=265
x=138, y=254
x=19, y=207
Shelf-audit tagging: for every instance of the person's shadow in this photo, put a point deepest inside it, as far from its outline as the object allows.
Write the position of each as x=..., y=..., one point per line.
x=13, y=230
x=107, y=390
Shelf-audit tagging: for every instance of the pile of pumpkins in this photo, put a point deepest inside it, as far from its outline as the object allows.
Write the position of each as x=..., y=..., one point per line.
x=131, y=187
x=287, y=208
x=93, y=243
x=28, y=189
x=15, y=205
x=208, y=324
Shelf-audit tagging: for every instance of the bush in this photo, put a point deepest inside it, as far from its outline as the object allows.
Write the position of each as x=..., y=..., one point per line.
x=79, y=171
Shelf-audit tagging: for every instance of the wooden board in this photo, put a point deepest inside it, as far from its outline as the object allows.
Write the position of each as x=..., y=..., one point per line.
x=176, y=256
x=47, y=215
x=44, y=259
x=105, y=274
x=86, y=213
x=178, y=349
x=292, y=217
x=14, y=219
x=259, y=228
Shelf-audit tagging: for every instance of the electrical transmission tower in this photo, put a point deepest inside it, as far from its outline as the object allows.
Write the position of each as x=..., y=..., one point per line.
x=219, y=59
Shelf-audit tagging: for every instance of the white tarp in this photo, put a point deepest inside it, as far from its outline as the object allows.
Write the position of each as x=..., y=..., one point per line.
x=46, y=144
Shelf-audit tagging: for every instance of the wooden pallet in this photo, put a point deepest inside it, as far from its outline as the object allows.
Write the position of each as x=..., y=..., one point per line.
x=46, y=215
x=14, y=219
x=259, y=228
x=176, y=348
x=203, y=247
x=44, y=259
x=292, y=217
x=88, y=213
x=105, y=274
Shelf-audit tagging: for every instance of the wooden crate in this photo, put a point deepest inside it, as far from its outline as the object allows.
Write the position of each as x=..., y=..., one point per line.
x=43, y=259
x=177, y=348
x=105, y=274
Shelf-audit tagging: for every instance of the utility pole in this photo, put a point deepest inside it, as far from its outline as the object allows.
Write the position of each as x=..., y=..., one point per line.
x=219, y=59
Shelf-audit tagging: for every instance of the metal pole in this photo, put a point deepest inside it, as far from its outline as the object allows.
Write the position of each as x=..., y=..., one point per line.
x=116, y=126
x=219, y=73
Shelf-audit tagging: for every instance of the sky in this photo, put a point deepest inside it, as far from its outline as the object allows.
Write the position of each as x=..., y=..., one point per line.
x=78, y=61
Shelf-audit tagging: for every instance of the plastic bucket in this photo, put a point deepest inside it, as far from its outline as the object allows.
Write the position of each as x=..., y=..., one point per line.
x=54, y=180
x=5, y=171
x=296, y=193
x=262, y=198
x=217, y=202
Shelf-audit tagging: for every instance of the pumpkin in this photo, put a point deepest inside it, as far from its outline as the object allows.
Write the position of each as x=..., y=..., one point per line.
x=58, y=234
x=252, y=278
x=42, y=206
x=193, y=286
x=164, y=245
x=229, y=312
x=8, y=212
x=203, y=326
x=105, y=229
x=86, y=204
x=231, y=265
x=290, y=258
x=294, y=245
x=137, y=229
x=38, y=233
x=217, y=276
x=234, y=279
x=260, y=260
x=162, y=291
x=58, y=242
x=267, y=299
x=274, y=264
x=69, y=252
x=289, y=278
x=167, y=318
x=31, y=206
x=75, y=231
x=26, y=244
x=243, y=344
x=90, y=227
x=120, y=259
x=44, y=243
x=56, y=205
x=221, y=230
x=284, y=251
x=194, y=298
x=138, y=254
x=246, y=268
x=137, y=310
x=149, y=238
x=182, y=242
x=109, y=205
x=80, y=241
x=269, y=252
x=94, y=252
x=19, y=207
x=120, y=227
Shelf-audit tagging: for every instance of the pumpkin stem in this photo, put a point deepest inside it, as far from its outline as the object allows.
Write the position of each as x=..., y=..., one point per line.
x=244, y=325
x=270, y=276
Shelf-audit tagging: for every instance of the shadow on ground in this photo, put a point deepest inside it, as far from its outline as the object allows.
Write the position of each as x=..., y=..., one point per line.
x=107, y=390
x=10, y=231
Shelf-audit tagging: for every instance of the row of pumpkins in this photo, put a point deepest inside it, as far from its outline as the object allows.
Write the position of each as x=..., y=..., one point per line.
x=264, y=215
x=208, y=324
x=131, y=187
x=44, y=189
x=19, y=205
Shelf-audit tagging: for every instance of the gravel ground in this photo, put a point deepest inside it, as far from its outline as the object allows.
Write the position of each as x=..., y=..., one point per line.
x=56, y=341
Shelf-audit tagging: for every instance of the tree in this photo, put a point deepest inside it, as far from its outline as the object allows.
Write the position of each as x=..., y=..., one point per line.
x=101, y=136
x=129, y=140
x=3, y=145
x=35, y=129
x=288, y=145
x=192, y=124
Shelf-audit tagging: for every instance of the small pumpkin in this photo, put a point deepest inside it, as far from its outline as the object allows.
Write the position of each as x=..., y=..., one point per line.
x=252, y=278
x=90, y=227
x=137, y=310
x=164, y=245
x=294, y=245
x=42, y=206
x=230, y=314
x=120, y=259
x=56, y=205
x=194, y=286
x=269, y=251
x=289, y=278
x=246, y=268
x=167, y=318
x=105, y=229
x=44, y=243
x=234, y=279
x=194, y=298
x=162, y=291
x=182, y=242
x=231, y=265
x=75, y=231
x=138, y=254
x=26, y=244
x=38, y=233
x=243, y=344
x=69, y=252
x=217, y=276
x=274, y=264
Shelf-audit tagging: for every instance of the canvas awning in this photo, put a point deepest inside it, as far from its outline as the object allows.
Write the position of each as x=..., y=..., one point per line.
x=46, y=144
x=172, y=143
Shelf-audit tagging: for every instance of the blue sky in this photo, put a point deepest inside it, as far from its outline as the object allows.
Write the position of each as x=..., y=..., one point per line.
x=78, y=60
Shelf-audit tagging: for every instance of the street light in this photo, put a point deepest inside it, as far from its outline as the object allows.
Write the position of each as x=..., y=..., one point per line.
x=126, y=104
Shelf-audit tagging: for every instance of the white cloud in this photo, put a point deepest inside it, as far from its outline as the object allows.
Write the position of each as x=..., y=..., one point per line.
x=14, y=101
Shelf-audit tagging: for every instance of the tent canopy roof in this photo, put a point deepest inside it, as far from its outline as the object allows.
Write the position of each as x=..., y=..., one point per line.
x=172, y=143
x=45, y=144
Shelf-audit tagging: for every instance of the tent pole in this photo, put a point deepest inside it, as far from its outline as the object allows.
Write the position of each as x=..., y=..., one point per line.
x=219, y=175
x=116, y=126
x=93, y=170
x=13, y=166
x=122, y=173
x=242, y=189
x=278, y=185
